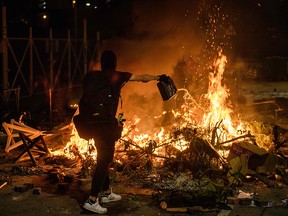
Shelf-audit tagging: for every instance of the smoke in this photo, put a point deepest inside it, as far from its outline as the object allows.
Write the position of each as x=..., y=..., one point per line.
x=163, y=33
x=167, y=33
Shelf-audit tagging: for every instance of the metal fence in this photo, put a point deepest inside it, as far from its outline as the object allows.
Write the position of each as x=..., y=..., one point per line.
x=34, y=66
x=40, y=64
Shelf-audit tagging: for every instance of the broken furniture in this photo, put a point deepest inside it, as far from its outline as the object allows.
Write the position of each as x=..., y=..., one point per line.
x=21, y=135
x=13, y=129
x=37, y=145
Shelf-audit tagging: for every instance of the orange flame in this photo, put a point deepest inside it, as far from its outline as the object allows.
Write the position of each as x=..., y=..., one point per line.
x=218, y=112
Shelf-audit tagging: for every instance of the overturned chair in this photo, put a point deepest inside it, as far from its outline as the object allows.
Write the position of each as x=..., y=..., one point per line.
x=31, y=139
x=33, y=145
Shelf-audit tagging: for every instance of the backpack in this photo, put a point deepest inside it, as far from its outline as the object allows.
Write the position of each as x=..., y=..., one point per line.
x=97, y=107
x=89, y=129
x=99, y=101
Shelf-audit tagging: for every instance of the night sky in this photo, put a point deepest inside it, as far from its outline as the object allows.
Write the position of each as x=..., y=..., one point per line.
x=256, y=28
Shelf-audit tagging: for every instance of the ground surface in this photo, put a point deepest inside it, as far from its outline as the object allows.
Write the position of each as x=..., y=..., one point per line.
x=54, y=201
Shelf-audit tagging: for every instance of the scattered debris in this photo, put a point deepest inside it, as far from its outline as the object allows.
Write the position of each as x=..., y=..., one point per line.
x=37, y=191
x=3, y=184
x=25, y=187
x=193, y=177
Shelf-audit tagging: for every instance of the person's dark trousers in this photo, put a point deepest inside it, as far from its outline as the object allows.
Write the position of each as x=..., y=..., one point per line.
x=105, y=145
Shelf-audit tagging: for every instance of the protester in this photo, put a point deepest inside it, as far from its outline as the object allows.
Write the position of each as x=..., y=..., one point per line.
x=97, y=119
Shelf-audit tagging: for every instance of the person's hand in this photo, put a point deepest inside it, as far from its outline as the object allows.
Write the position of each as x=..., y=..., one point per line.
x=164, y=78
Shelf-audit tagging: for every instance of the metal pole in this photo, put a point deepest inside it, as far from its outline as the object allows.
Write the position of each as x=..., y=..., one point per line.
x=85, y=45
x=31, y=61
x=51, y=58
x=51, y=74
x=5, y=50
x=98, y=45
x=69, y=59
x=18, y=99
x=98, y=41
x=50, y=106
x=75, y=22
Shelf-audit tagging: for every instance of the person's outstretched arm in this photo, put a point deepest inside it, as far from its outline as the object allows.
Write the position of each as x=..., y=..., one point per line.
x=143, y=78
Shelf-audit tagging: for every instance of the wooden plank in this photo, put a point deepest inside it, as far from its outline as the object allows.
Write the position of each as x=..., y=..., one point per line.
x=12, y=130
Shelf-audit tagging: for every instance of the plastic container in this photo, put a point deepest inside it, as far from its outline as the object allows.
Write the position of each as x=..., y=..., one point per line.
x=167, y=89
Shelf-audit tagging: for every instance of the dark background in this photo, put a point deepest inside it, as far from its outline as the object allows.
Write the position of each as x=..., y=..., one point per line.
x=261, y=26
x=153, y=36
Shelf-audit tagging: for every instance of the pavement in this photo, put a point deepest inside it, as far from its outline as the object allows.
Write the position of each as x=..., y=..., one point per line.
x=44, y=197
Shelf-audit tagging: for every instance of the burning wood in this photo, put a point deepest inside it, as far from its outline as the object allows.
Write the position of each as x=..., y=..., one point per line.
x=4, y=181
x=194, y=159
x=189, y=159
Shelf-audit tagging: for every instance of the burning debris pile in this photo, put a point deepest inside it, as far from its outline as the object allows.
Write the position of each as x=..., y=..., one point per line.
x=194, y=160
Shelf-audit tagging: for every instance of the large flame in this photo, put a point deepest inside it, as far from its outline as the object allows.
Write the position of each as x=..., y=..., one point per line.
x=220, y=108
x=218, y=95
x=217, y=117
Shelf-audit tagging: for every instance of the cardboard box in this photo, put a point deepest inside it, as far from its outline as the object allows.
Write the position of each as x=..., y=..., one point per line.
x=248, y=158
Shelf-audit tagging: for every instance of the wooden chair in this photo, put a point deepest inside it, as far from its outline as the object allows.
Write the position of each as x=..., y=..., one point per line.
x=13, y=129
x=35, y=145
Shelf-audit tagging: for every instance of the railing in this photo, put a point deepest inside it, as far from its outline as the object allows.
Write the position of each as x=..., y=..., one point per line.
x=42, y=66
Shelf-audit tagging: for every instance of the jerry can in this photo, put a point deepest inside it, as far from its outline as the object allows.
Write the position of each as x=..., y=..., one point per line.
x=167, y=89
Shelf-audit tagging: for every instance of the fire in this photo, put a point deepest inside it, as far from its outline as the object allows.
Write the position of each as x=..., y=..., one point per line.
x=218, y=94
x=214, y=121
x=78, y=147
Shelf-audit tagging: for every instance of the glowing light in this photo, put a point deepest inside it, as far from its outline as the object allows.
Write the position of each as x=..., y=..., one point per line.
x=44, y=16
x=213, y=120
x=73, y=106
x=218, y=94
